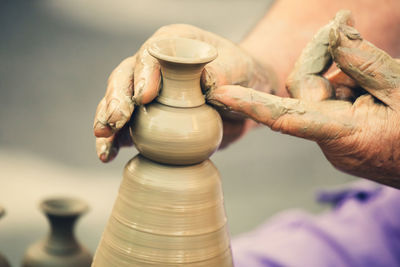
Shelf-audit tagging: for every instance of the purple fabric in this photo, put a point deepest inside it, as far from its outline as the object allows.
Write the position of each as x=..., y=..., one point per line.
x=361, y=230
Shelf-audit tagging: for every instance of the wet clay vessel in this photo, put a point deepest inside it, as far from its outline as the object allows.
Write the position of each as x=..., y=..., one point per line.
x=180, y=128
x=3, y=261
x=60, y=248
x=169, y=211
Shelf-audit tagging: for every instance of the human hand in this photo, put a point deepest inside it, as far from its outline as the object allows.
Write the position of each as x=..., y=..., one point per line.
x=359, y=133
x=136, y=81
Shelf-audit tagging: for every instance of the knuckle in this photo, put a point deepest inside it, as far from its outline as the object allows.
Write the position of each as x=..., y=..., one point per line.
x=371, y=65
x=279, y=125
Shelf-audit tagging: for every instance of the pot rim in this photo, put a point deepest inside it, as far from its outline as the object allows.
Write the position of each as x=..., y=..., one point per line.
x=208, y=52
x=64, y=206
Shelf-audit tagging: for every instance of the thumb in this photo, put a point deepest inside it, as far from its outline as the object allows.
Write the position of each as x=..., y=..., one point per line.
x=147, y=77
x=372, y=68
x=305, y=81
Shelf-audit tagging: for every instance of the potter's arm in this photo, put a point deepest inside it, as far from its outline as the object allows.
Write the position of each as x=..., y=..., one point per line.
x=289, y=25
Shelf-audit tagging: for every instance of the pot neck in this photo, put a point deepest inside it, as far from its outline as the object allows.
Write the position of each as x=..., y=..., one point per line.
x=181, y=84
x=61, y=238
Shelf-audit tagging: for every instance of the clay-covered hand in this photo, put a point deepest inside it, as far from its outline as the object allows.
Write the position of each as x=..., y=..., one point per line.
x=136, y=81
x=353, y=115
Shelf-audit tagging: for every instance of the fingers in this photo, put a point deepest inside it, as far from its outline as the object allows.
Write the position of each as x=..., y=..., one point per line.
x=100, y=125
x=310, y=88
x=107, y=147
x=369, y=66
x=305, y=82
x=147, y=78
x=311, y=120
x=116, y=107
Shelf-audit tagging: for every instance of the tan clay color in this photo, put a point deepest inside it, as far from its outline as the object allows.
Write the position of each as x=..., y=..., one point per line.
x=177, y=135
x=166, y=215
x=59, y=248
x=171, y=215
x=182, y=61
x=182, y=129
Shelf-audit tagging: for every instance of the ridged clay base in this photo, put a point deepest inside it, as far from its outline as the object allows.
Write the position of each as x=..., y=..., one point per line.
x=166, y=216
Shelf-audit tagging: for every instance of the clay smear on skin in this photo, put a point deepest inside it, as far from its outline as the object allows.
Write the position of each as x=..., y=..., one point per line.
x=380, y=75
x=277, y=106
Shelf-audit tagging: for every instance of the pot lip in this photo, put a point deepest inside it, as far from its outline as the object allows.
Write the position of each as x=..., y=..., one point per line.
x=63, y=206
x=155, y=50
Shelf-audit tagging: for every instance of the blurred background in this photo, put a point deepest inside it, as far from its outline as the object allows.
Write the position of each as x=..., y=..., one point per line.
x=55, y=58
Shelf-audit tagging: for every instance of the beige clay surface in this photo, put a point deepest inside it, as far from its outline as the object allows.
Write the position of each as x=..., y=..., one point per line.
x=180, y=129
x=166, y=216
x=171, y=214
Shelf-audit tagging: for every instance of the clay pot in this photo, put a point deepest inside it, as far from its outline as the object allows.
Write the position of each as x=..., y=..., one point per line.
x=169, y=211
x=180, y=129
x=166, y=215
x=3, y=261
x=60, y=248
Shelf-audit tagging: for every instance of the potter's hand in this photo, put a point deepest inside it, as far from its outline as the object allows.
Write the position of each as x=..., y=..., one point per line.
x=358, y=135
x=137, y=79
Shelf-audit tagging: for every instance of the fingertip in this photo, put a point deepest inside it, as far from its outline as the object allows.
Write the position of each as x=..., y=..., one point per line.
x=107, y=157
x=234, y=97
x=106, y=148
x=221, y=93
x=208, y=79
x=103, y=158
x=345, y=16
x=310, y=87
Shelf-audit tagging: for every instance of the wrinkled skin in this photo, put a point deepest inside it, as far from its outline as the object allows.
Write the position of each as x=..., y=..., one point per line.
x=136, y=81
x=353, y=114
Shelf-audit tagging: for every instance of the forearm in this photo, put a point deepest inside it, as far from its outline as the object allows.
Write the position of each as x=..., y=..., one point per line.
x=280, y=36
